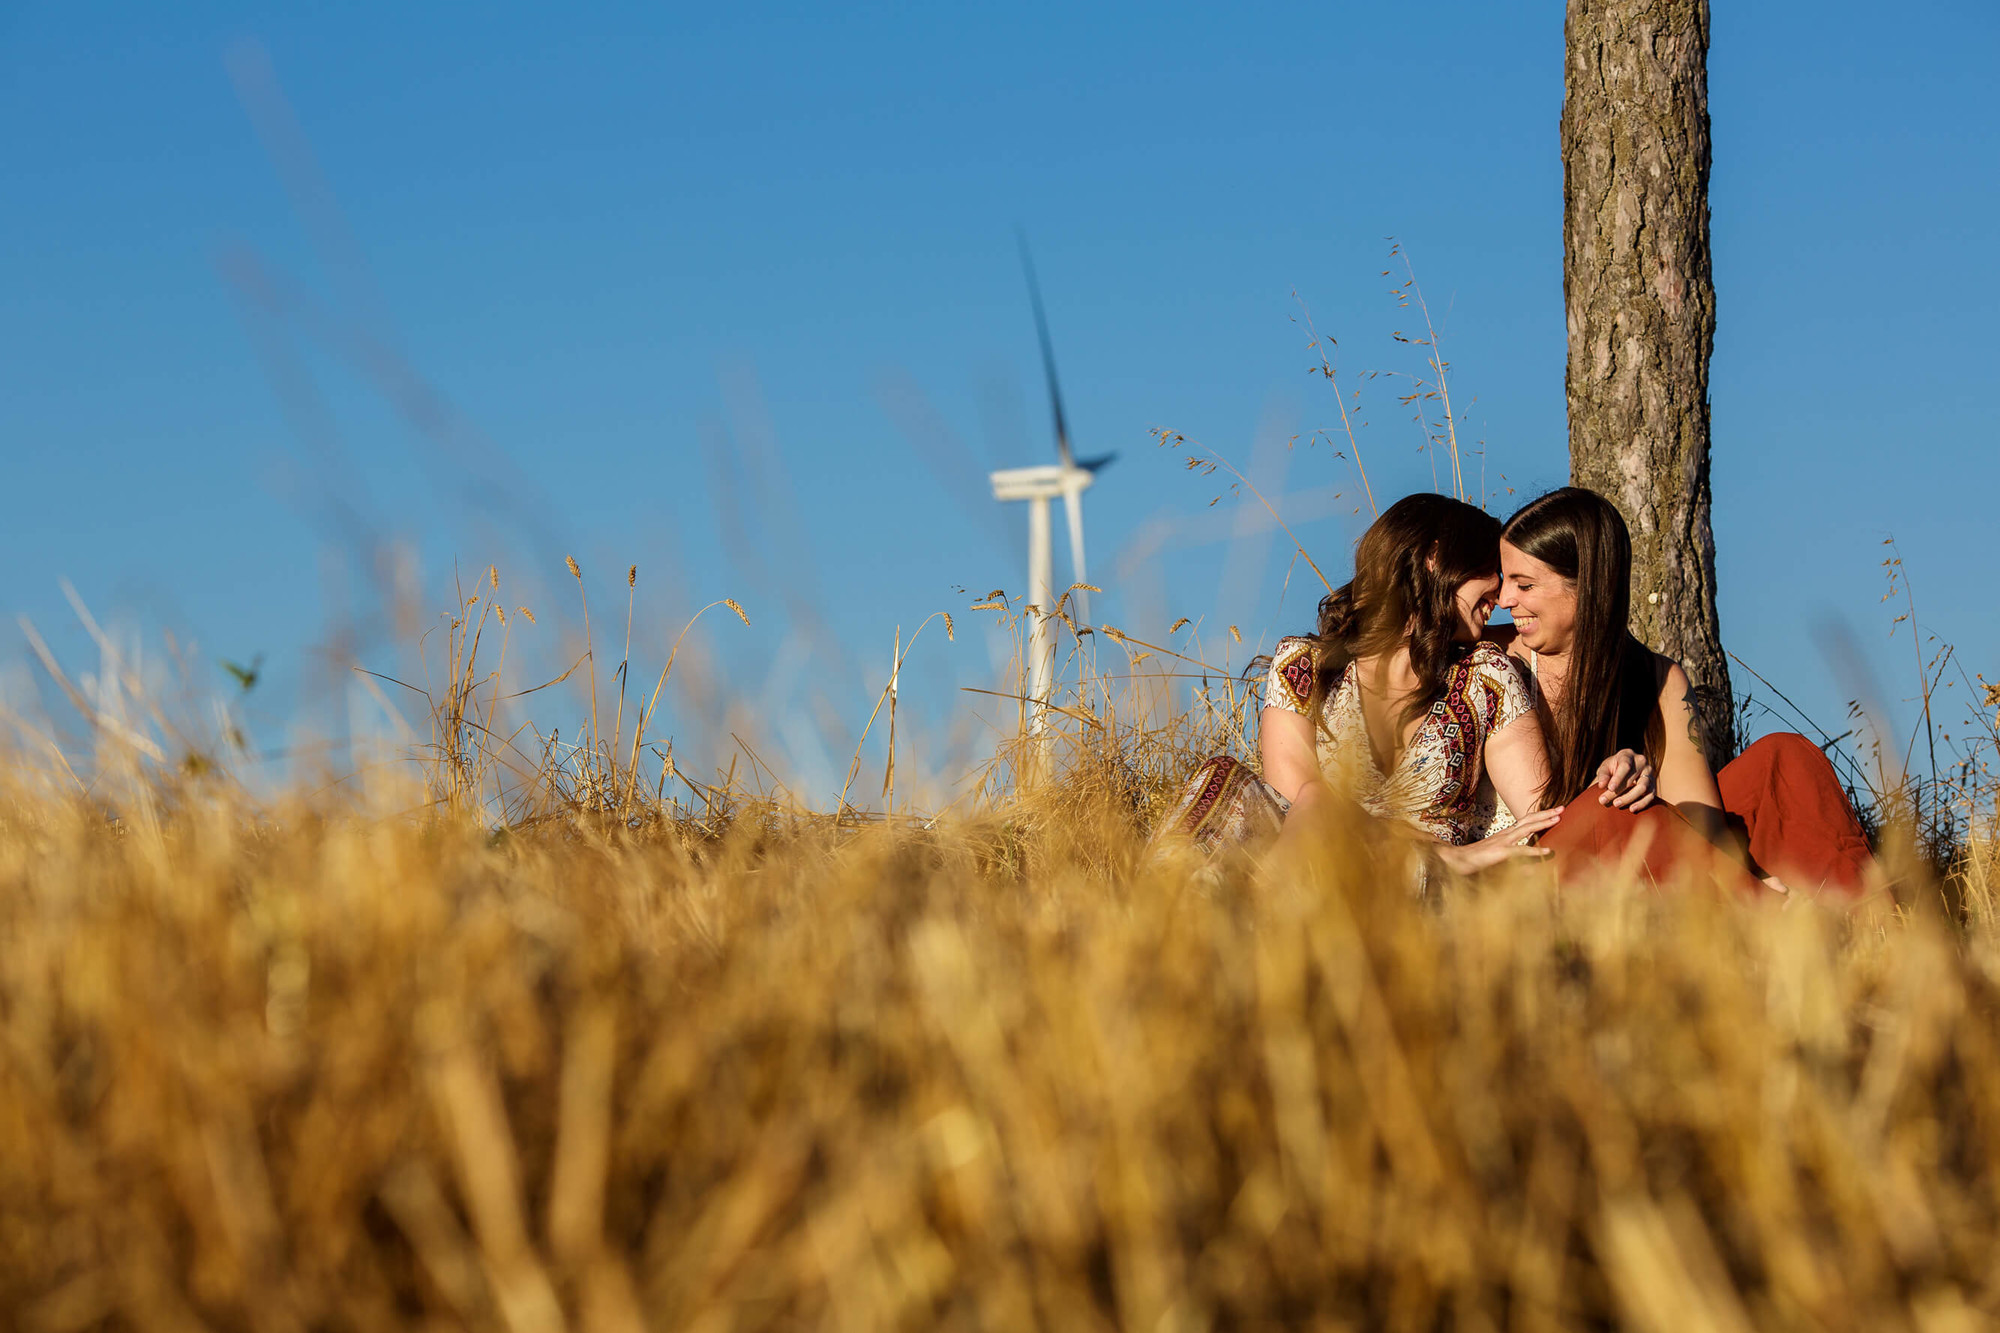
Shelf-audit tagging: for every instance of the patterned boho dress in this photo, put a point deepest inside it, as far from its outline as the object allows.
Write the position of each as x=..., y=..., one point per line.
x=1439, y=782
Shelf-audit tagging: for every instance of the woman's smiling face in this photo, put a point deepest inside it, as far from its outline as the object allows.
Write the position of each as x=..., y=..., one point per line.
x=1476, y=600
x=1543, y=601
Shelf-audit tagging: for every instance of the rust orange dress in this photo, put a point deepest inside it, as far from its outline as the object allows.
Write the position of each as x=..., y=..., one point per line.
x=1781, y=793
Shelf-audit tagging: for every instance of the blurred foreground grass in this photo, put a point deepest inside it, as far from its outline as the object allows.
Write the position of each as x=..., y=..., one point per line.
x=322, y=1063
x=307, y=1068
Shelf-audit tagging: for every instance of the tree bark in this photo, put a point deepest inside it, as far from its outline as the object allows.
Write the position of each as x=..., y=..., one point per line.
x=1640, y=294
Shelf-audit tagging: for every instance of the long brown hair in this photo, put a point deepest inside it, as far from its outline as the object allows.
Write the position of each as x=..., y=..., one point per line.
x=1610, y=696
x=1408, y=568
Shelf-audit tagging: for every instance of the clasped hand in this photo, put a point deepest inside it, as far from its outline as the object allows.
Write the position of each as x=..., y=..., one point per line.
x=1627, y=780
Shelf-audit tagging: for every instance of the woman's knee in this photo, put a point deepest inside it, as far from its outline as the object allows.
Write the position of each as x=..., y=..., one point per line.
x=1784, y=749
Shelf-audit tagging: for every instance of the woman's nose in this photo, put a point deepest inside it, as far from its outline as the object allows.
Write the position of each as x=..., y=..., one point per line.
x=1507, y=599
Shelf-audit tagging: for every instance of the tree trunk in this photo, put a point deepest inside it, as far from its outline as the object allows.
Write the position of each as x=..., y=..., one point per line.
x=1641, y=304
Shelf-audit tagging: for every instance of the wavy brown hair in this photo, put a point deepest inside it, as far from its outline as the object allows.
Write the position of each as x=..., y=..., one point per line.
x=1611, y=695
x=1408, y=568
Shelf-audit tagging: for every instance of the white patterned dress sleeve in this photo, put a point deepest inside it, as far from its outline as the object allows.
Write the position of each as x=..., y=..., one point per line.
x=1502, y=693
x=1290, y=683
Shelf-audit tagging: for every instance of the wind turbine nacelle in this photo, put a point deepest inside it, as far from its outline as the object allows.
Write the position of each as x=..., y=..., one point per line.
x=1047, y=482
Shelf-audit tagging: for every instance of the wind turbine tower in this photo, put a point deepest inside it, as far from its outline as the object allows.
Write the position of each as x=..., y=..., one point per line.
x=1068, y=477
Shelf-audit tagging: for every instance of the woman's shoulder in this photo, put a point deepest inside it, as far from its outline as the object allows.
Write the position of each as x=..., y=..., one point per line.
x=1295, y=653
x=1678, y=699
x=1497, y=686
x=1294, y=665
x=1488, y=657
x=1670, y=680
x=1508, y=640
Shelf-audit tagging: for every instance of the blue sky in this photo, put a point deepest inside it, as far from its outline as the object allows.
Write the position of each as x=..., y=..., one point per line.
x=601, y=250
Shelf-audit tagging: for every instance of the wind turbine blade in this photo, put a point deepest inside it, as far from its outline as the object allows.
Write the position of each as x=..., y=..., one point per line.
x=1048, y=355
x=1073, y=509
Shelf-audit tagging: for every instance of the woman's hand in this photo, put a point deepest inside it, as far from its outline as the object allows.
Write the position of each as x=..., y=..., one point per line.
x=1509, y=844
x=1628, y=781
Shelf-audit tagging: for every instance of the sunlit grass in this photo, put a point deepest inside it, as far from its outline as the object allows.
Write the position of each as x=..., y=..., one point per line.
x=628, y=1063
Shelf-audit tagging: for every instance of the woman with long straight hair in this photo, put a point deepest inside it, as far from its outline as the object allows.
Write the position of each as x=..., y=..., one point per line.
x=1396, y=704
x=1566, y=563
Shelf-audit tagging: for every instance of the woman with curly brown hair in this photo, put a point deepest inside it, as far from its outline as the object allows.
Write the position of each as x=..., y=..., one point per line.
x=1396, y=704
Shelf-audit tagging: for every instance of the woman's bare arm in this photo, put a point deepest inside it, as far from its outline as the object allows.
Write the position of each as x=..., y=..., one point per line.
x=1290, y=755
x=1685, y=780
x=1517, y=763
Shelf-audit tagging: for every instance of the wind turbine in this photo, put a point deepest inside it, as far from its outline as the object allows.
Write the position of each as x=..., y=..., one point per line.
x=1068, y=477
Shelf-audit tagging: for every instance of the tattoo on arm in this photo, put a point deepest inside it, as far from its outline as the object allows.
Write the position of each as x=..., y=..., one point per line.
x=1696, y=734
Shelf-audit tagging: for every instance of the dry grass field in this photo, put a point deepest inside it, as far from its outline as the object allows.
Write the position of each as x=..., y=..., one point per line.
x=305, y=1064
